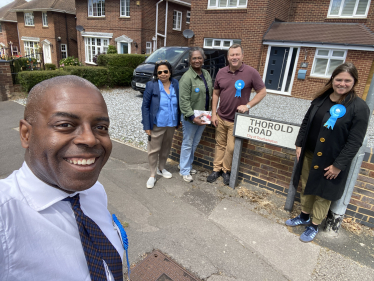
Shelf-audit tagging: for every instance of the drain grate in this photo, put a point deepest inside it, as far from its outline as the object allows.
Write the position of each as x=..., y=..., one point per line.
x=158, y=267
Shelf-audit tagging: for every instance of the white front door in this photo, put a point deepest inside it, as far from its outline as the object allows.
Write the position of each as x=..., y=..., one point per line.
x=47, y=53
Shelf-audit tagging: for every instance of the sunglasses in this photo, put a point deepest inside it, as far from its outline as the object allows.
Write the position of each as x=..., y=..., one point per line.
x=164, y=71
x=160, y=61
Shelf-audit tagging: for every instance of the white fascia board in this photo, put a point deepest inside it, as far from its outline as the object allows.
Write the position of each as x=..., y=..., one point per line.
x=315, y=45
x=97, y=34
x=35, y=39
x=8, y=20
x=181, y=3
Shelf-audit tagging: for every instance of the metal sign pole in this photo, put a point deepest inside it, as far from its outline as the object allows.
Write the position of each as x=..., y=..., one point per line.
x=338, y=208
x=288, y=206
x=236, y=162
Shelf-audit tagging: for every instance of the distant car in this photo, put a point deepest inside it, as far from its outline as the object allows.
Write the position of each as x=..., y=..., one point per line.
x=178, y=58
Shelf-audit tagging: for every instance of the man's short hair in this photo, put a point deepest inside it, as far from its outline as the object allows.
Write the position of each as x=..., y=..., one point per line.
x=234, y=46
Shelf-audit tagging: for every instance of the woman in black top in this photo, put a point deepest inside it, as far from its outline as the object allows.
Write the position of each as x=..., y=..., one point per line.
x=330, y=135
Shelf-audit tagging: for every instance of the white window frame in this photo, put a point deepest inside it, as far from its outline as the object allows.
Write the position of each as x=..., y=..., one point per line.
x=177, y=18
x=44, y=18
x=215, y=4
x=124, y=11
x=188, y=17
x=329, y=57
x=148, y=47
x=100, y=8
x=221, y=41
x=29, y=19
x=354, y=10
x=31, y=51
x=90, y=52
x=64, y=51
x=15, y=50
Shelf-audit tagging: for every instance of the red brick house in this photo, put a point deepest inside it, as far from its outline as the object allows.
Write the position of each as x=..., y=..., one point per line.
x=132, y=26
x=47, y=25
x=282, y=38
x=9, y=43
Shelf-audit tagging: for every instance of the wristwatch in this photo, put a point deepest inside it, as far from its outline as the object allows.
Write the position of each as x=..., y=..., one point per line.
x=248, y=106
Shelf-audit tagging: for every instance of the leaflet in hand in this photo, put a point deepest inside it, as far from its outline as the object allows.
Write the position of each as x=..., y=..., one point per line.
x=207, y=115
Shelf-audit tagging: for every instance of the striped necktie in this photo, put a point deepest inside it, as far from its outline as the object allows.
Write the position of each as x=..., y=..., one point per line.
x=97, y=248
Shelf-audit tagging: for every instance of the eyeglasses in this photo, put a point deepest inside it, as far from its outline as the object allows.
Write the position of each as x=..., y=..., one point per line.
x=160, y=61
x=164, y=71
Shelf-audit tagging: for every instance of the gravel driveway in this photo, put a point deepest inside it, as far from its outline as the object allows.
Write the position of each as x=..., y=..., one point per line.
x=124, y=105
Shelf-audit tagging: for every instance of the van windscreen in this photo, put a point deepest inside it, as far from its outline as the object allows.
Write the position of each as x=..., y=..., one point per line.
x=171, y=54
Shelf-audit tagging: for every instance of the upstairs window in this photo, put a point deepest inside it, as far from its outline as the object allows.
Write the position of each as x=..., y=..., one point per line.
x=96, y=8
x=223, y=44
x=349, y=8
x=29, y=18
x=188, y=17
x=44, y=19
x=148, y=47
x=215, y=4
x=125, y=8
x=325, y=61
x=177, y=20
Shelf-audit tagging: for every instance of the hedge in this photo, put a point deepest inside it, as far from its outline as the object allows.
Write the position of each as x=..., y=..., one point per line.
x=120, y=60
x=96, y=75
x=29, y=79
x=50, y=66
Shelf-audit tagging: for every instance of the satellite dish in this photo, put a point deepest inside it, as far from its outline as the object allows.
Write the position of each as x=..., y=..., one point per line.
x=79, y=28
x=188, y=33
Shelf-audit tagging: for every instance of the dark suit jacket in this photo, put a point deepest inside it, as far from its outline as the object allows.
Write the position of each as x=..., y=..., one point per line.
x=334, y=147
x=151, y=103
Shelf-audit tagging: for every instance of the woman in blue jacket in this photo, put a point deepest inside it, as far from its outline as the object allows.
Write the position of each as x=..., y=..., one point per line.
x=161, y=116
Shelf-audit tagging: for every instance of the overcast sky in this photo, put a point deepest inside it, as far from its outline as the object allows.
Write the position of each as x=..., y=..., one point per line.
x=5, y=2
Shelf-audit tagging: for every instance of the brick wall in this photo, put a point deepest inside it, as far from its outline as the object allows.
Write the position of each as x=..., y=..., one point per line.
x=270, y=167
x=9, y=33
x=6, y=82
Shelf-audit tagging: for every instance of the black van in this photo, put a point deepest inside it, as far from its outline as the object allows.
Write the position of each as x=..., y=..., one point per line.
x=178, y=58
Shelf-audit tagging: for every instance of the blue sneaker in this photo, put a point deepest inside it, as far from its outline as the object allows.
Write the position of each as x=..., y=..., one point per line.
x=297, y=221
x=309, y=234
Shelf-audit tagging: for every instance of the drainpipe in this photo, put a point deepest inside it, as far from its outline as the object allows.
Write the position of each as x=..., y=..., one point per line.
x=166, y=21
x=155, y=47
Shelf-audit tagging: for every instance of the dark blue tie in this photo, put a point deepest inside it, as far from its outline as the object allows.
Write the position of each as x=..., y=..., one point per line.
x=96, y=245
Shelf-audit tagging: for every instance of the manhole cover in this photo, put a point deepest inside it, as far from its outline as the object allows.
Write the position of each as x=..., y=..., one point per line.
x=158, y=267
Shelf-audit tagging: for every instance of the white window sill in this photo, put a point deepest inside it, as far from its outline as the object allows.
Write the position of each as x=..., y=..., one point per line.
x=187, y=22
x=346, y=17
x=96, y=17
x=29, y=25
x=319, y=76
x=177, y=29
x=45, y=25
x=227, y=8
x=92, y=63
x=124, y=17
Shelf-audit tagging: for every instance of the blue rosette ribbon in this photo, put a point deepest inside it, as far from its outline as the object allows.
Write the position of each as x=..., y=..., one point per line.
x=239, y=86
x=124, y=240
x=336, y=111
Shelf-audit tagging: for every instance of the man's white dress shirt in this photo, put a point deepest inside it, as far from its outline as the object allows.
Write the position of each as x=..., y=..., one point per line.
x=39, y=236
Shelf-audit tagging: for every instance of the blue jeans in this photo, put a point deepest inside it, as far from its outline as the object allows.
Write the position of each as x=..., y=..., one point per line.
x=191, y=138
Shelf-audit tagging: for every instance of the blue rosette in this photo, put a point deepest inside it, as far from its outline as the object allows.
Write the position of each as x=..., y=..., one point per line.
x=336, y=111
x=239, y=86
x=124, y=240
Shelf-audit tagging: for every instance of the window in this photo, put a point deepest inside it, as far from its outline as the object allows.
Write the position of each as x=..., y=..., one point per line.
x=125, y=8
x=223, y=44
x=31, y=49
x=64, y=51
x=96, y=8
x=29, y=18
x=188, y=17
x=349, y=8
x=215, y=4
x=148, y=47
x=95, y=46
x=1, y=29
x=325, y=61
x=15, y=50
x=44, y=19
x=177, y=20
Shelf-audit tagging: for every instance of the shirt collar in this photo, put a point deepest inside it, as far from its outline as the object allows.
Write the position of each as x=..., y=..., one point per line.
x=38, y=194
x=241, y=68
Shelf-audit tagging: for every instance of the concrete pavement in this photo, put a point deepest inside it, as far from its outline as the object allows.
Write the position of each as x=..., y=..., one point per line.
x=204, y=227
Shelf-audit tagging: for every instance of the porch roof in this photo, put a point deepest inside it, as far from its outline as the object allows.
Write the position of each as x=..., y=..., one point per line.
x=348, y=34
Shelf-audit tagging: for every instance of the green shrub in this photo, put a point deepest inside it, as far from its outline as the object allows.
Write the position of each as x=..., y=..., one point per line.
x=120, y=60
x=69, y=61
x=112, y=50
x=119, y=76
x=50, y=66
x=96, y=75
x=29, y=79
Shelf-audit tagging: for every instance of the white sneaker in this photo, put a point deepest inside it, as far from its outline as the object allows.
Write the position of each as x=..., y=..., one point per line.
x=151, y=182
x=192, y=172
x=164, y=173
x=187, y=178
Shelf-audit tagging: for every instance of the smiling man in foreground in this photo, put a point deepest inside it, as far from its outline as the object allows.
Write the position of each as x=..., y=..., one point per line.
x=54, y=222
